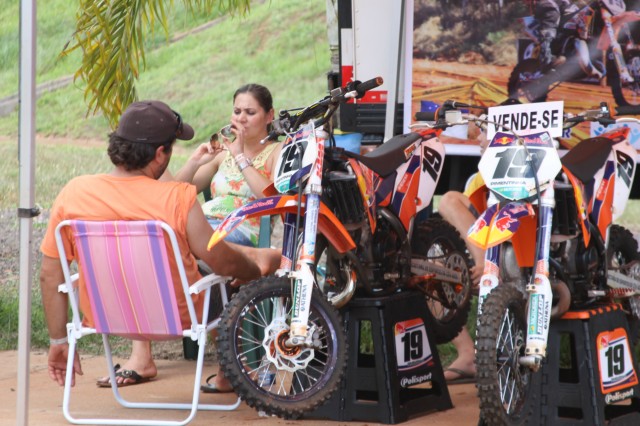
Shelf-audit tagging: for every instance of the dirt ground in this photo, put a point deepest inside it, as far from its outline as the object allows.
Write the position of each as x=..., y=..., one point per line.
x=175, y=382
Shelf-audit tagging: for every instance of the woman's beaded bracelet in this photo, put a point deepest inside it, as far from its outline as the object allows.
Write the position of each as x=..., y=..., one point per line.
x=60, y=341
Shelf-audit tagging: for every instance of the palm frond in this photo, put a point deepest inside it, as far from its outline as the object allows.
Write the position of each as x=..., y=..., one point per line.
x=111, y=36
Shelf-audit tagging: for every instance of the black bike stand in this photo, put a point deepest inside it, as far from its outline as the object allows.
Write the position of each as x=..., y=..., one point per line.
x=403, y=377
x=590, y=376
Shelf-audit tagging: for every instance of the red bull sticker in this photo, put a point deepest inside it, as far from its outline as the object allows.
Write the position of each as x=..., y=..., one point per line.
x=507, y=222
x=479, y=232
x=412, y=345
x=502, y=140
x=616, y=364
x=539, y=139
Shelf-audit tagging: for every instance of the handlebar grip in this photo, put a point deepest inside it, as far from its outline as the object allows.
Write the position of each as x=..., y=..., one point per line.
x=365, y=86
x=605, y=121
x=575, y=120
x=426, y=115
x=273, y=135
x=628, y=110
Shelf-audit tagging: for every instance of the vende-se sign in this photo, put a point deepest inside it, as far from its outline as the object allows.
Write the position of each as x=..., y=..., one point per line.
x=525, y=119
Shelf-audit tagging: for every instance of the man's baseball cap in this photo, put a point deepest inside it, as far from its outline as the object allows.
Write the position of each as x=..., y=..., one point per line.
x=152, y=122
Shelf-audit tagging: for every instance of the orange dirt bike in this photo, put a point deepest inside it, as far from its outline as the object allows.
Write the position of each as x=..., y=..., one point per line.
x=349, y=230
x=551, y=246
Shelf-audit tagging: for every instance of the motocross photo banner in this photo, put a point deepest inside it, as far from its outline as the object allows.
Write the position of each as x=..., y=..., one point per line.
x=483, y=52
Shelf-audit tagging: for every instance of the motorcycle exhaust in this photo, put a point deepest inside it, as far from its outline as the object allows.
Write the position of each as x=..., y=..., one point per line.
x=342, y=298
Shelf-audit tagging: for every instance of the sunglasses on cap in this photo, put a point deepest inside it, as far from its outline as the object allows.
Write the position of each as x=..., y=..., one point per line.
x=180, y=126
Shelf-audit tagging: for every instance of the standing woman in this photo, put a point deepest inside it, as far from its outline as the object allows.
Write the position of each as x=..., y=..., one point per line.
x=244, y=166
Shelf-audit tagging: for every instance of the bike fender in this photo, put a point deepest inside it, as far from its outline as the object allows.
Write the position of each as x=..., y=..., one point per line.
x=328, y=224
x=494, y=227
x=524, y=241
x=479, y=232
x=507, y=222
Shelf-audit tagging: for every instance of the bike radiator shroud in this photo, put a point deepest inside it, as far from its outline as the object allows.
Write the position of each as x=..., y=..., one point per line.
x=344, y=197
x=565, y=213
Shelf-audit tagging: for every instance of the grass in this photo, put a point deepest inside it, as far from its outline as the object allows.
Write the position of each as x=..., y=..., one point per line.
x=55, y=26
x=281, y=44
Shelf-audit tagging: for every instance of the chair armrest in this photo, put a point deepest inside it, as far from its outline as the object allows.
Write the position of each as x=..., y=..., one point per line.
x=62, y=288
x=206, y=282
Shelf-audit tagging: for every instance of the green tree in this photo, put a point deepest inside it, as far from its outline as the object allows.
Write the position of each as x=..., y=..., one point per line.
x=111, y=35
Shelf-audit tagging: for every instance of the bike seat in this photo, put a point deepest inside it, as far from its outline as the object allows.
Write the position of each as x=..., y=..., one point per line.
x=587, y=157
x=385, y=159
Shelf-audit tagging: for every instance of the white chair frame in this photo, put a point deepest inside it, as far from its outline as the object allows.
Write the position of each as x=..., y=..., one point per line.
x=198, y=332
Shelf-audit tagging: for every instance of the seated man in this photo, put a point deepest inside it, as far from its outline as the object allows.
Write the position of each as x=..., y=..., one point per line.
x=457, y=209
x=461, y=210
x=140, y=150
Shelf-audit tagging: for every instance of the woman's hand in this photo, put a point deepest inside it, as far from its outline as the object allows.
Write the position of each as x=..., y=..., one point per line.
x=206, y=152
x=236, y=147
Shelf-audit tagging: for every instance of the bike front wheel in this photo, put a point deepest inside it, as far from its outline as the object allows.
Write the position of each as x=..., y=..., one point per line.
x=264, y=372
x=503, y=384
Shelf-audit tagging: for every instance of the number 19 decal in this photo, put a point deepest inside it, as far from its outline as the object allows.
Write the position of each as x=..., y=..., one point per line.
x=615, y=361
x=412, y=345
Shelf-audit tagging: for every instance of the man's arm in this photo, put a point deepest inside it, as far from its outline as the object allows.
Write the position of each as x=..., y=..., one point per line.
x=244, y=263
x=55, y=310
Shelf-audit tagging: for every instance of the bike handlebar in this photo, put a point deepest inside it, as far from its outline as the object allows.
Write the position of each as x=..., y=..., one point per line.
x=326, y=107
x=440, y=113
x=426, y=115
x=363, y=87
x=601, y=115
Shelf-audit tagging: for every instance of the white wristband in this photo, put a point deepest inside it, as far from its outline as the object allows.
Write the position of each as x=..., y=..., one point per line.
x=60, y=341
x=242, y=162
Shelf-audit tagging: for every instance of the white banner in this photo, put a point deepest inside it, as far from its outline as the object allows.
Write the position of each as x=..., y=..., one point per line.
x=525, y=119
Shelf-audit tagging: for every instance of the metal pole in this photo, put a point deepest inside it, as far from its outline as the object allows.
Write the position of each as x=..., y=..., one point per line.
x=26, y=211
x=397, y=26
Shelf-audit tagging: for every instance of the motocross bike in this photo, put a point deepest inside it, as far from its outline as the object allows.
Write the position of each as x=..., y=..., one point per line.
x=604, y=25
x=349, y=230
x=579, y=259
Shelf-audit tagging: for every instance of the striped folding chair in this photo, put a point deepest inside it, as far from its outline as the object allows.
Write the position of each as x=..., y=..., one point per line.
x=129, y=285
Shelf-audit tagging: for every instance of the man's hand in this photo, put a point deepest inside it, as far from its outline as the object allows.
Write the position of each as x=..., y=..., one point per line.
x=58, y=355
x=268, y=260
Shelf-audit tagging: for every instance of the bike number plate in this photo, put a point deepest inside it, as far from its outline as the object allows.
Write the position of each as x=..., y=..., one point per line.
x=616, y=363
x=299, y=152
x=505, y=168
x=412, y=344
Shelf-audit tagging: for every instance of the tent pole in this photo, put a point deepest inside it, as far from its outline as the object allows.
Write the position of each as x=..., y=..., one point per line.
x=395, y=56
x=26, y=211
